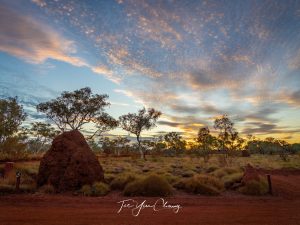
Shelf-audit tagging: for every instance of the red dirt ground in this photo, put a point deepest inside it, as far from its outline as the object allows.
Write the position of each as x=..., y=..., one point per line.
x=282, y=208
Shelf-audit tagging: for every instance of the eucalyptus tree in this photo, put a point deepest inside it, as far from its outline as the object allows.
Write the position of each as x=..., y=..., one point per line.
x=11, y=117
x=72, y=110
x=135, y=123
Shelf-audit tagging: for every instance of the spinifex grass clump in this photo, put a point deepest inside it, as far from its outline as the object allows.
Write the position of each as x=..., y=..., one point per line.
x=230, y=179
x=152, y=185
x=97, y=189
x=47, y=189
x=121, y=181
x=201, y=184
x=255, y=187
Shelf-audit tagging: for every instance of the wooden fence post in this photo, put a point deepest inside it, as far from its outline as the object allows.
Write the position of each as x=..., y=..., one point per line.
x=270, y=184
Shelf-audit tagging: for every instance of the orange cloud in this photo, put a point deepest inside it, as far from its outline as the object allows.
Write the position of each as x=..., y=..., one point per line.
x=25, y=38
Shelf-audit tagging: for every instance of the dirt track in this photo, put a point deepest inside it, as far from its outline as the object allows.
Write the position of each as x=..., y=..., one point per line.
x=281, y=209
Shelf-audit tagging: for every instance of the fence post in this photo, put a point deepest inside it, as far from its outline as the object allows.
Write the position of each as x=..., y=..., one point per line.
x=18, y=180
x=270, y=184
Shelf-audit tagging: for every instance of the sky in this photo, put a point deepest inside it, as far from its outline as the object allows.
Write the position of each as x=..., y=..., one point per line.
x=192, y=60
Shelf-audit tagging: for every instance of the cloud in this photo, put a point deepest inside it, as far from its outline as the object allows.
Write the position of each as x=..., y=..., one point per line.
x=25, y=38
x=109, y=74
x=258, y=128
x=40, y=3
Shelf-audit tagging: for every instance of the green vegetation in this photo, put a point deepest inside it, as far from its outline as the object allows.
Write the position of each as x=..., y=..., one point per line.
x=47, y=189
x=151, y=185
x=206, y=165
x=201, y=184
x=255, y=187
x=97, y=189
x=119, y=182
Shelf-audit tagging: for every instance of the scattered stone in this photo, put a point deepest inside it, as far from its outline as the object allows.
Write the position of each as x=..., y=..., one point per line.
x=69, y=163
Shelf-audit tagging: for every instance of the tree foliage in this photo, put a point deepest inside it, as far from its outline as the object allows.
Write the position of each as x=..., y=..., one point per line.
x=41, y=134
x=11, y=117
x=175, y=142
x=74, y=109
x=135, y=123
x=226, y=130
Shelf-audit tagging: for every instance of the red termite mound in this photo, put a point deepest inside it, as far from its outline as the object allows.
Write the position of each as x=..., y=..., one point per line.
x=69, y=163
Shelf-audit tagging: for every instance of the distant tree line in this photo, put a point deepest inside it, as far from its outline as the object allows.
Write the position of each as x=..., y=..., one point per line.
x=72, y=110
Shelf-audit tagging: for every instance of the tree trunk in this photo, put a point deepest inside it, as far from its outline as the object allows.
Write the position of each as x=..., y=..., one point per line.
x=139, y=148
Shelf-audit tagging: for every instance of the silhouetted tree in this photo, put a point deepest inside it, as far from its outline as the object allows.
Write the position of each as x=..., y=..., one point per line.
x=175, y=142
x=204, y=138
x=135, y=123
x=226, y=129
x=74, y=109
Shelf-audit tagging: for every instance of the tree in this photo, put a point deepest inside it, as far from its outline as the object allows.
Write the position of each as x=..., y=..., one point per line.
x=135, y=123
x=122, y=143
x=204, y=138
x=175, y=142
x=74, y=109
x=11, y=117
x=42, y=133
x=159, y=144
x=225, y=127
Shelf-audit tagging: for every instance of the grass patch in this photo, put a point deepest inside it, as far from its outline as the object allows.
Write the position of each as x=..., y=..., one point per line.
x=201, y=184
x=230, y=179
x=47, y=189
x=152, y=185
x=119, y=182
x=97, y=189
x=255, y=187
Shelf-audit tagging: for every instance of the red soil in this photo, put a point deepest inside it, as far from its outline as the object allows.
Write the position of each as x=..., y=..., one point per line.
x=231, y=208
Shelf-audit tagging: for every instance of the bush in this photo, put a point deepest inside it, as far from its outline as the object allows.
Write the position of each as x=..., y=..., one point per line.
x=201, y=184
x=86, y=190
x=230, y=179
x=28, y=188
x=97, y=189
x=225, y=171
x=171, y=179
x=245, y=153
x=6, y=189
x=100, y=189
x=254, y=187
x=47, y=189
x=13, y=149
x=121, y=181
x=152, y=185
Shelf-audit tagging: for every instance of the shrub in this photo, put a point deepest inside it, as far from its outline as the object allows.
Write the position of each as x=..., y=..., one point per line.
x=6, y=189
x=28, y=188
x=201, y=184
x=245, y=153
x=225, y=171
x=231, y=179
x=97, y=189
x=100, y=189
x=47, y=189
x=171, y=179
x=121, y=181
x=211, y=169
x=254, y=187
x=152, y=185
x=86, y=190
